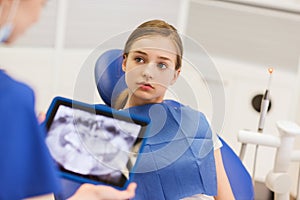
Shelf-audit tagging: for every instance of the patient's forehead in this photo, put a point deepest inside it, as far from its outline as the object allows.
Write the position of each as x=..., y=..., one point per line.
x=159, y=44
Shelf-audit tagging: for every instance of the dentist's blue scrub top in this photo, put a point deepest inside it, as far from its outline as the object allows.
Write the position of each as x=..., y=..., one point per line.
x=177, y=160
x=26, y=168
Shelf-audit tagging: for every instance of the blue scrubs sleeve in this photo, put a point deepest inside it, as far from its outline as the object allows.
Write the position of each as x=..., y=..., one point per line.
x=26, y=167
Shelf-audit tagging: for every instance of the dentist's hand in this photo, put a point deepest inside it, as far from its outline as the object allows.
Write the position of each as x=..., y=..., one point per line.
x=41, y=117
x=101, y=192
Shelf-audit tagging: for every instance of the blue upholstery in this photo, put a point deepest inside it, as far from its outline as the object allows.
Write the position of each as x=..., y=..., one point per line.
x=239, y=178
x=109, y=75
x=108, y=71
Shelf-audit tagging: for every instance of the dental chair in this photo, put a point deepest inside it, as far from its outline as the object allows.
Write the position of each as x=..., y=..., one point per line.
x=108, y=74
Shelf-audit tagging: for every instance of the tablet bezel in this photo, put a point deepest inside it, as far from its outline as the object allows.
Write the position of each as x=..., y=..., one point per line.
x=98, y=109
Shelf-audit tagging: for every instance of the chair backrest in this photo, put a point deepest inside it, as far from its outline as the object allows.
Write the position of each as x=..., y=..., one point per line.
x=110, y=82
x=239, y=178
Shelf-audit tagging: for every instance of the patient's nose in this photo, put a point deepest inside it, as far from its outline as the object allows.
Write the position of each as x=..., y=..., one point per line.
x=148, y=70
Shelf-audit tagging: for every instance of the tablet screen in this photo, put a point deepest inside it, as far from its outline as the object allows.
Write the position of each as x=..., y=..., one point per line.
x=93, y=144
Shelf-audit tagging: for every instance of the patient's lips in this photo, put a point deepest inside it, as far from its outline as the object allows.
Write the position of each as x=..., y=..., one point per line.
x=145, y=86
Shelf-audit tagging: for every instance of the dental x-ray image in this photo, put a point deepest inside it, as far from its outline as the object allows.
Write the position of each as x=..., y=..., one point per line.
x=93, y=146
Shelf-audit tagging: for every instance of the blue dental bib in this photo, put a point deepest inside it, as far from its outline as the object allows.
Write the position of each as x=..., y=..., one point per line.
x=178, y=158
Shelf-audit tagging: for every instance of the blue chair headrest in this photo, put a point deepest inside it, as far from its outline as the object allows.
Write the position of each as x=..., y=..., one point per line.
x=110, y=79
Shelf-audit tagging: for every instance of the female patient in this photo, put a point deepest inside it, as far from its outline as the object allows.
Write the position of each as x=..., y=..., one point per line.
x=26, y=169
x=182, y=155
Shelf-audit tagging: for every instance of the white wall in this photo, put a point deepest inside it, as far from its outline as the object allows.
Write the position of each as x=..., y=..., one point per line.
x=37, y=68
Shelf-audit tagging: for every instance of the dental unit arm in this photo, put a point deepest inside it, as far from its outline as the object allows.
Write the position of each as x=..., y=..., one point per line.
x=278, y=179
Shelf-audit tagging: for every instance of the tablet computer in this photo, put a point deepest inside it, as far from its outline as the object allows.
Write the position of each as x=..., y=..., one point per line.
x=94, y=143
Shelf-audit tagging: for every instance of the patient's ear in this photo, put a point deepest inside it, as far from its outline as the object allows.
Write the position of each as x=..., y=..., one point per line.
x=124, y=62
x=176, y=75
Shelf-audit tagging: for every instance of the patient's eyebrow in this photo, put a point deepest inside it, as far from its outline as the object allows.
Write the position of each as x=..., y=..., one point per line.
x=144, y=53
x=165, y=58
x=140, y=52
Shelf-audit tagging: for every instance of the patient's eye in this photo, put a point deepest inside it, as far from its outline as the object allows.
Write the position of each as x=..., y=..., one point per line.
x=162, y=66
x=139, y=60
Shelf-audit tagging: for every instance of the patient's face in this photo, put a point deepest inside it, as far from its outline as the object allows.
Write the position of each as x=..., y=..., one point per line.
x=150, y=69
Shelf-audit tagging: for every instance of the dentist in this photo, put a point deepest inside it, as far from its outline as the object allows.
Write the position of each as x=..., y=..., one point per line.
x=26, y=169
